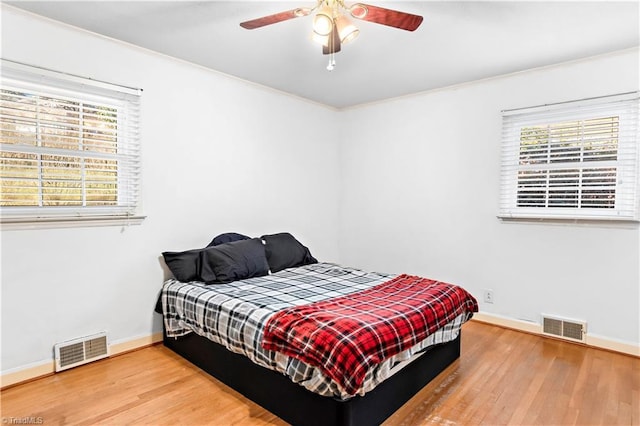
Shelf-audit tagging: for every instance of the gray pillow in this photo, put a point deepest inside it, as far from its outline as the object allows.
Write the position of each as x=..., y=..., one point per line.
x=185, y=265
x=284, y=251
x=233, y=261
x=227, y=237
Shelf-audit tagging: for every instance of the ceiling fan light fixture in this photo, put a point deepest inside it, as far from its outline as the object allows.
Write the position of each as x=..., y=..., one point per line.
x=347, y=31
x=323, y=40
x=323, y=22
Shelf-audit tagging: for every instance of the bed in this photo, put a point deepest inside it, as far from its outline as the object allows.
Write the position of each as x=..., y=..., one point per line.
x=233, y=328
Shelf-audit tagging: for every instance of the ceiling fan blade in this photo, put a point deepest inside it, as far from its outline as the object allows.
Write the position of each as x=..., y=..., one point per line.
x=333, y=45
x=391, y=18
x=275, y=18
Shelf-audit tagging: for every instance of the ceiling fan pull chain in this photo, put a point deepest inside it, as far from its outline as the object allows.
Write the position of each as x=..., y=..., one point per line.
x=332, y=61
x=332, y=40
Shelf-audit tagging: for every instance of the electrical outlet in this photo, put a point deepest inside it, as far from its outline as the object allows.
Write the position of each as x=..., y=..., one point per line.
x=488, y=296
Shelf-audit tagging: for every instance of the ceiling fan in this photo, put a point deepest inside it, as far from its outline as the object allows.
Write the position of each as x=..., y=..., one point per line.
x=332, y=28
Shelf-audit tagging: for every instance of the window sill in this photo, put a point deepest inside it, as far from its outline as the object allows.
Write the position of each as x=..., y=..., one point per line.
x=586, y=221
x=17, y=223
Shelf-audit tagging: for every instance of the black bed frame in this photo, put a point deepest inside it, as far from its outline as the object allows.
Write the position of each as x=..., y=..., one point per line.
x=298, y=406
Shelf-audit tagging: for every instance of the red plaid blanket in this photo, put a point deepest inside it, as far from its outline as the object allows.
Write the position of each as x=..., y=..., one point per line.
x=347, y=335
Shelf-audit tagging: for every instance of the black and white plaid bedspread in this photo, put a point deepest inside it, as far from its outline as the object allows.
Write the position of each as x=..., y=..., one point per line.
x=234, y=315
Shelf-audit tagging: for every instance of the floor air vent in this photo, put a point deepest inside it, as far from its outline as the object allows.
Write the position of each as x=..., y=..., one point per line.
x=564, y=328
x=80, y=351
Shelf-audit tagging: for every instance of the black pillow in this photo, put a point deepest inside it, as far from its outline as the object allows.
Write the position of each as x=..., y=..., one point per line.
x=185, y=265
x=233, y=261
x=284, y=251
x=228, y=237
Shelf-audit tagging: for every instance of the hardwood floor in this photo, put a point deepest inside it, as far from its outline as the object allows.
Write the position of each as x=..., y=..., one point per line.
x=502, y=377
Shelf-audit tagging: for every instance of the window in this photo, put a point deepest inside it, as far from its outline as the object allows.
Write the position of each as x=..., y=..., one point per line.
x=69, y=147
x=575, y=160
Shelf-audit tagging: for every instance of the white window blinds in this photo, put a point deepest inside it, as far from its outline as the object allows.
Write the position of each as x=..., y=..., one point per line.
x=575, y=160
x=69, y=145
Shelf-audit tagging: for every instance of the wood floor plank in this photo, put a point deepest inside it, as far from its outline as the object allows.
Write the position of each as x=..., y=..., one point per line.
x=503, y=377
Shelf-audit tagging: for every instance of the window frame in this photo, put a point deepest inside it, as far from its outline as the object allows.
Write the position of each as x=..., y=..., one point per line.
x=626, y=208
x=41, y=83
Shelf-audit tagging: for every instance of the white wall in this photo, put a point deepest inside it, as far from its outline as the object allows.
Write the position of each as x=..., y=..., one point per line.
x=420, y=195
x=411, y=186
x=219, y=155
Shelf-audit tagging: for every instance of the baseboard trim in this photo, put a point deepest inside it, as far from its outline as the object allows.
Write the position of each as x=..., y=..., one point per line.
x=612, y=345
x=46, y=368
x=27, y=374
x=135, y=344
x=535, y=328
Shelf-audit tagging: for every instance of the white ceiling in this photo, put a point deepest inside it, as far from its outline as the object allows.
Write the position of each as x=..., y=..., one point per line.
x=457, y=42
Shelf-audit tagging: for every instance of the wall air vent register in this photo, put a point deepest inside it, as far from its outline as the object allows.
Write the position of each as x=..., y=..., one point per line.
x=573, y=330
x=83, y=350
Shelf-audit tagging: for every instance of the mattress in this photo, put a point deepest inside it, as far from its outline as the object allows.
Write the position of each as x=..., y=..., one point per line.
x=234, y=315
